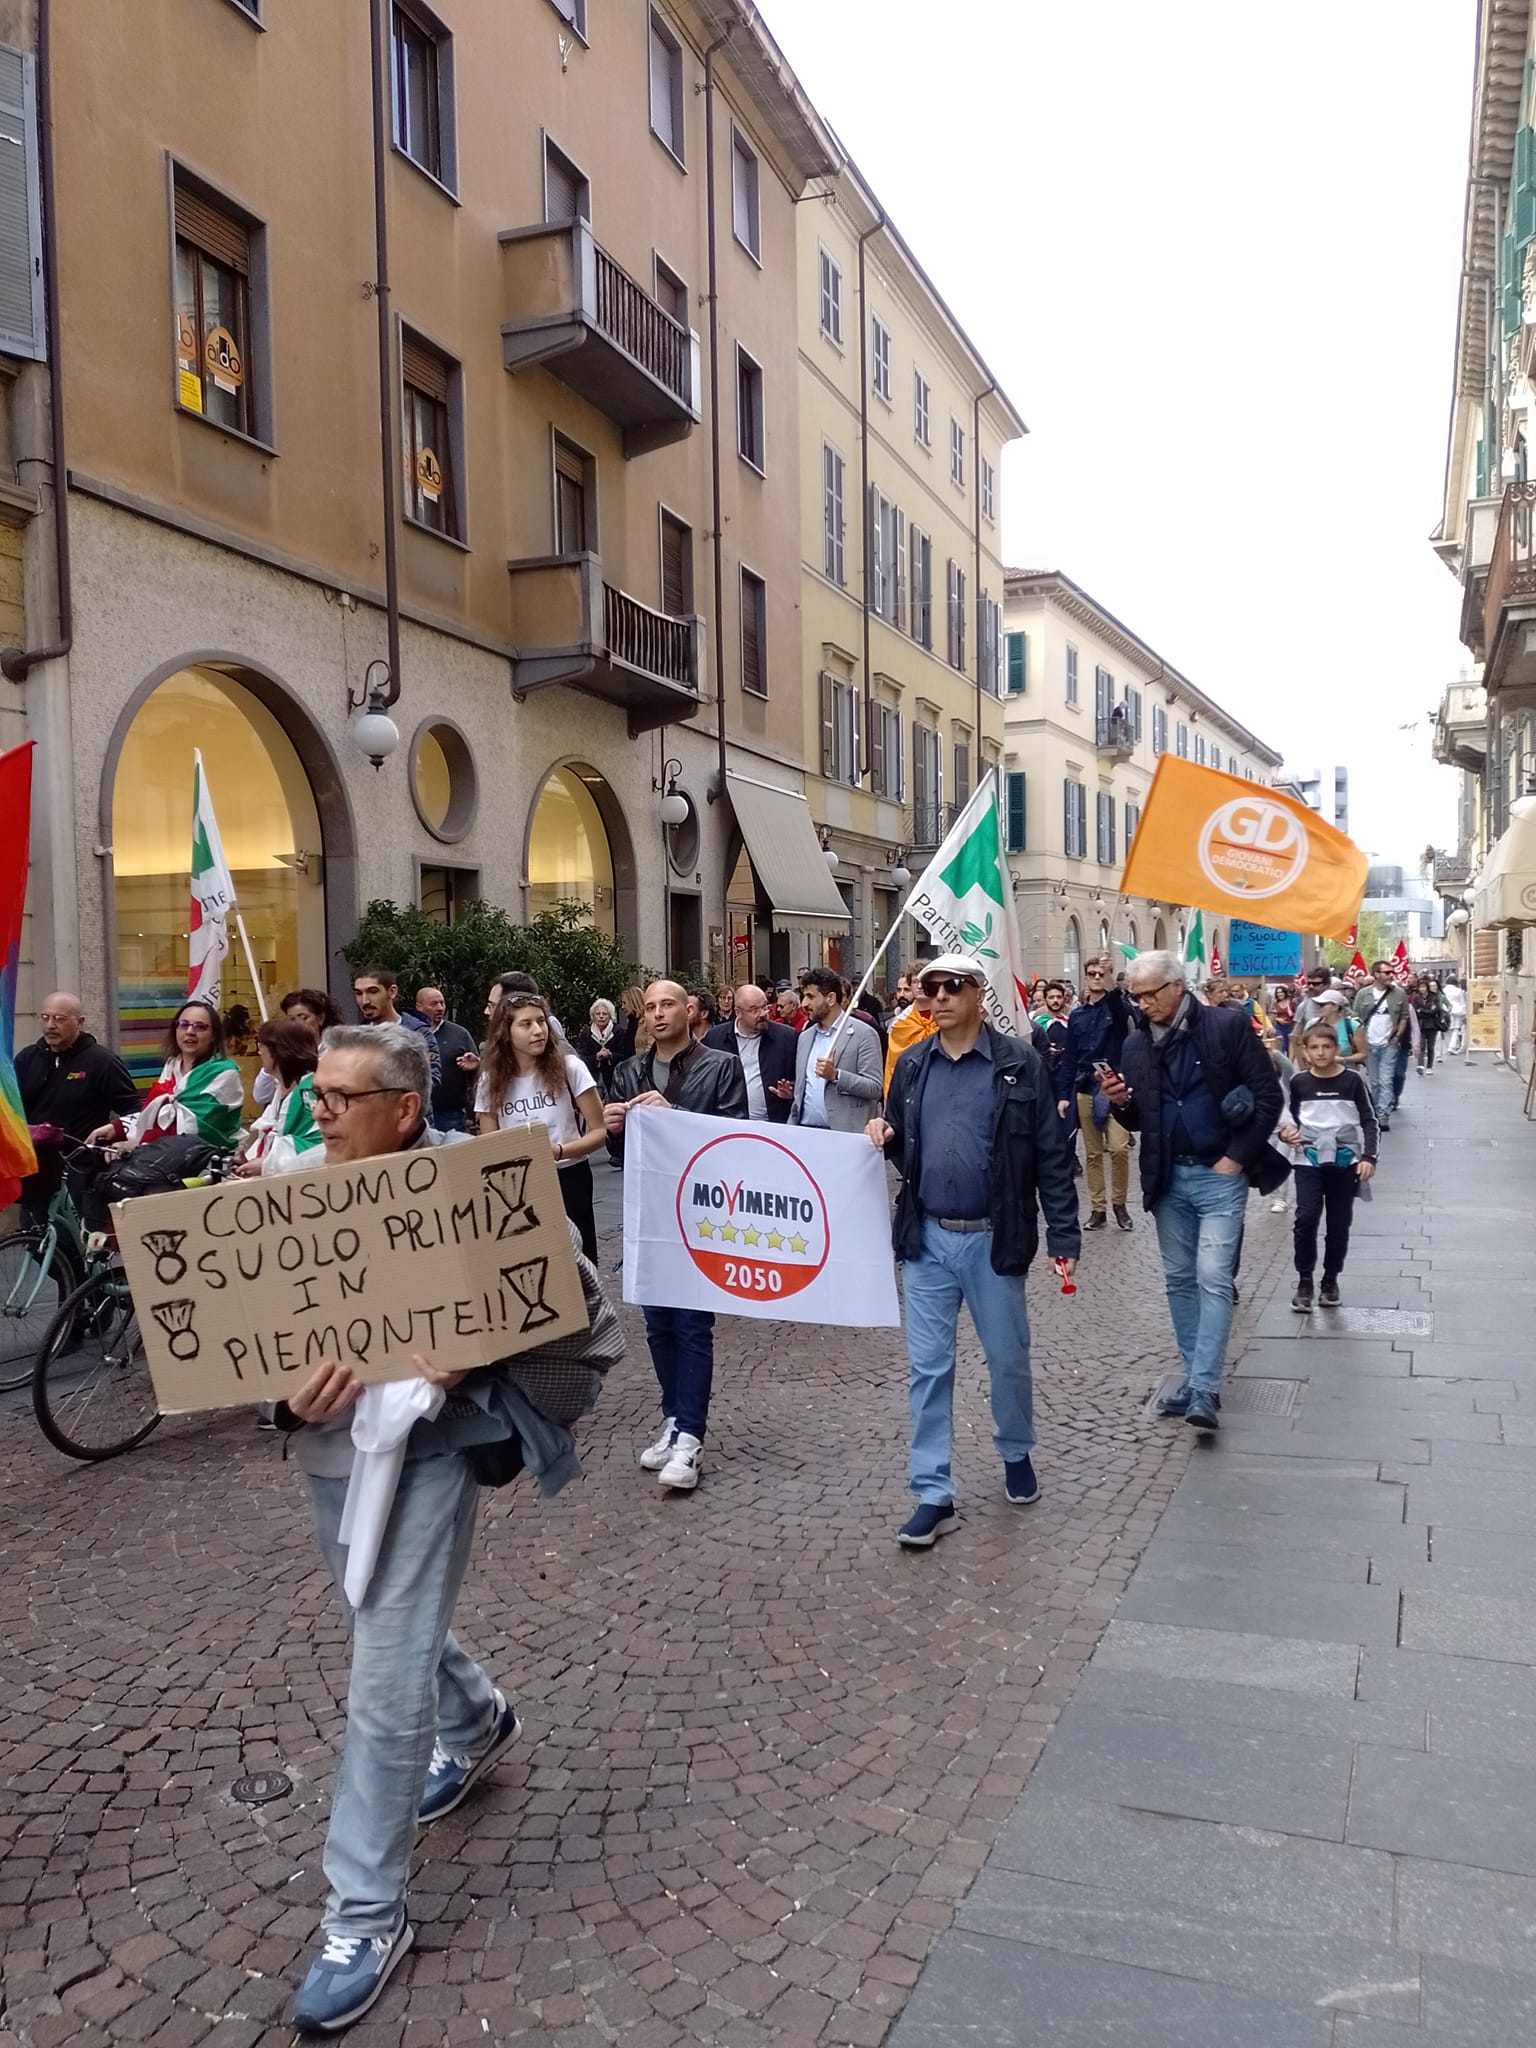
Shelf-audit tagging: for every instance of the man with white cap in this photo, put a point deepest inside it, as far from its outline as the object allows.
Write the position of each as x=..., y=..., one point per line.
x=971, y=1122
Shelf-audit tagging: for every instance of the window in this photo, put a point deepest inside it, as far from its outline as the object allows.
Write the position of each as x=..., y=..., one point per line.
x=250, y=7
x=1103, y=707
x=1215, y=757
x=831, y=300
x=1016, y=666
x=672, y=294
x=1104, y=845
x=1200, y=748
x=1181, y=742
x=832, y=512
x=1014, y=817
x=887, y=528
x=887, y=767
x=754, y=634
x=749, y=409
x=1159, y=729
x=666, y=87
x=1074, y=819
x=573, y=11
x=214, y=366
x=927, y=786
x=575, y=499
x=567, y=193
x=22, y=324
x=676, y=567
x=445, y=893
x=880, y=360
x=988, y=492
x=1133, y=714
x=920, y=406
x=430, y=381
x=956, y=453
x=1132, y=821
x=744, y=216
x=989, y=646
x=922, y=589
x=839, y=729
x=421, y=78
x=956, y=643
x=962, y=788
x=1071, y=675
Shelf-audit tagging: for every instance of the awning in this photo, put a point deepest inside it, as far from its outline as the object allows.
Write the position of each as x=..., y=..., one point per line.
x=786, y=855
x=1506, y=888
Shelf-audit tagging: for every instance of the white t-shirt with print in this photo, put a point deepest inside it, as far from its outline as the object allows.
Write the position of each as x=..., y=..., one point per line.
x=528, y=1101
x=1379, y=1029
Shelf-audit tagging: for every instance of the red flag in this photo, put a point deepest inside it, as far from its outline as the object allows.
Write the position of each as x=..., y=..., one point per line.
x=1402, y=972
x=17, y=1158
x=1357, y=971
x=1217, y=971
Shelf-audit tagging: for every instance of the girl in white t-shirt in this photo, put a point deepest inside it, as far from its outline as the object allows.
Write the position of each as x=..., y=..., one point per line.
x=526, y=1077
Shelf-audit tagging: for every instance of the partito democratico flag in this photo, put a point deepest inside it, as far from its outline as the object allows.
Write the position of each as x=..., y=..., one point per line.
x=1229, y=845
x=965, y=899
x=756, y=1220
x=213, y=893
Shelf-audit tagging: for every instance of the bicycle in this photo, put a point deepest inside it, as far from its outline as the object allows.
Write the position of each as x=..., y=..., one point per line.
x=41, y=1264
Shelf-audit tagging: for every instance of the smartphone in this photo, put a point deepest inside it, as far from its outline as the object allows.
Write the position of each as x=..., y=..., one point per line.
x=1104, y=1069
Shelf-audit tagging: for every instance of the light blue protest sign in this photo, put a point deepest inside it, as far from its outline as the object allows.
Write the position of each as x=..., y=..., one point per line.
x=1255, y=949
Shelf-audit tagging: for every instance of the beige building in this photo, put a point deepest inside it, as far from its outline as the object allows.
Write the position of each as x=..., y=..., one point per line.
x=1088, y=708
x=477, y=397
x=902, y=428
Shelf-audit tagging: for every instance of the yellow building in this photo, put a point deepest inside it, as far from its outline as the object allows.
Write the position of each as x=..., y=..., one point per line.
x=902, y=428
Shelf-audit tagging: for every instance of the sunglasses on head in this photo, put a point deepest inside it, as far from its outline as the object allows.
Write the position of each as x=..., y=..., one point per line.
x=951, y=985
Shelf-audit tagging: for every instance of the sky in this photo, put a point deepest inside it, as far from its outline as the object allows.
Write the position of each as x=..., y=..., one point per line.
x=1211, y=250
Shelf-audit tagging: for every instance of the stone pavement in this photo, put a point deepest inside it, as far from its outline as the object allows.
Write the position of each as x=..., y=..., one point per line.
x=1292, y=1803
x=767, y=1751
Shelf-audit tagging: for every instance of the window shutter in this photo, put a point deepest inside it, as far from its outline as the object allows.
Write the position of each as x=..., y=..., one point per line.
x=227, y=241
x=876, y=530
x=877, y=718
x=674, y=581
x=427, y=372
x=751, y=637
x=854, y=772
x=1066, y=817
x=22, y=330
x=562, y=187
x=1017, y=658
x=899, y=573
x=1016, y=818
x=898, y=787
x=828, y=731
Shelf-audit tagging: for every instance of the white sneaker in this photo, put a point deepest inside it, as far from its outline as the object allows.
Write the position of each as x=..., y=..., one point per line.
x=1277, y=1208
x=682, y=1469
x=655, y=1455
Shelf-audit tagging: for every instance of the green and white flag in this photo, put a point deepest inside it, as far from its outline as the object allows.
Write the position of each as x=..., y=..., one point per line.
x=213, y=894
x=1194, y=950
x=965, y=899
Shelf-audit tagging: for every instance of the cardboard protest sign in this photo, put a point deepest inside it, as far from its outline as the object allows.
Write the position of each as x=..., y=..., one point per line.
x=461, y=1251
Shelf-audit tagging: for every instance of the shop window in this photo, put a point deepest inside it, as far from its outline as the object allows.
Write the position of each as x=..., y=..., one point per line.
x=215, y=360
x=569, y=858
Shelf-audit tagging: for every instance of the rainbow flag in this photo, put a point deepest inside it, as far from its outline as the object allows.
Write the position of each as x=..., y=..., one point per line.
x=17, y=1158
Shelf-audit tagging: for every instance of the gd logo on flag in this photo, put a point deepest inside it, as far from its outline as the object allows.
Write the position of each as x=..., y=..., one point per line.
x=1252, y=848
x=753, y=1219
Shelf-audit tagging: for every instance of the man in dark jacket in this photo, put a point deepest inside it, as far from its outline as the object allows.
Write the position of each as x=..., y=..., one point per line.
x=67, y=1079
x=970, y=1120
x=766, y=1050
x=1198, y=1085
x=678, y=1072
x=1096, y=1031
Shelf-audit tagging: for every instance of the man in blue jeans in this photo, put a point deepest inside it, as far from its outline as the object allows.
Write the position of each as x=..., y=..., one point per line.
x=678, y=1072
x=971, y=1121
x=1196, y=1082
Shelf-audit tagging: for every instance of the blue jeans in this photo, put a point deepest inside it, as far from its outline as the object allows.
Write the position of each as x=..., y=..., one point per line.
x=682, y=1342
x=957, y=1266
x=1199, y=1230
x=1380, y=1078
x=410, y=1685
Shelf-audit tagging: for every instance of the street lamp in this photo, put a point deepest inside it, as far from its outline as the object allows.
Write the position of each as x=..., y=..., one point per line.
x=674, y=806
x=828, y=851
x=375, y=734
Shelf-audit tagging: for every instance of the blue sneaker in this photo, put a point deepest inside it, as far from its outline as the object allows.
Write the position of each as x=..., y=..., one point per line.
x=450, y=1778
x=927, y=1525
x=346, y=1977
x=1019, y=1478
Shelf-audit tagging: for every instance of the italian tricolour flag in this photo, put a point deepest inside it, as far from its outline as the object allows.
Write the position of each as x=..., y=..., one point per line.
x=965, y=899
x=213, y=894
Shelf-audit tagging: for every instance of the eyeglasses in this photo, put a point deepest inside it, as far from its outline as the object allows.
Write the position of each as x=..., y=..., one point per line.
x=1096, y=973
x=1145, y=995
x=193, y=1024
x=950, y=986
x=337, y=1101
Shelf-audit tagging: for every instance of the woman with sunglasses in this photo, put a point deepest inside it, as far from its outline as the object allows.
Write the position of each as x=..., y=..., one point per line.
x=527, y=1076
x=199, y=1094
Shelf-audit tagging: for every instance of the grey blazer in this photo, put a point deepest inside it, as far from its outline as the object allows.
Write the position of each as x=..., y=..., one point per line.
x=854, y=1096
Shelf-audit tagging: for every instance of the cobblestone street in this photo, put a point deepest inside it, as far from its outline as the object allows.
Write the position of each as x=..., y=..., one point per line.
x=766, y=1751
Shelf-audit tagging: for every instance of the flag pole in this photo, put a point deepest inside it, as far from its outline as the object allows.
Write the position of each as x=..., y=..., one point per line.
x=250, y=961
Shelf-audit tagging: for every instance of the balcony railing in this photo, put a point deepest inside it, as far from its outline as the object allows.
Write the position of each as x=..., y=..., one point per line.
x=1512, y=567
x=1452, y=872
x=929, y=820
x=647, y=333
x=1113, y=735
x=650, y=643
x=572, y=627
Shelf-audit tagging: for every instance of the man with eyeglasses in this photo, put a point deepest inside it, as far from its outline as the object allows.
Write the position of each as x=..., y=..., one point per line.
x=1095, y=1032
x=1196, y=1082
x=970, y=1120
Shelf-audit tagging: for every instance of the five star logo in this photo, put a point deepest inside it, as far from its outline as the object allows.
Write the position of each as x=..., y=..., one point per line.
x=773, y=1240
x=728, y=1232
x=706, y=1229
x=797, y=1243
x=751, y=1234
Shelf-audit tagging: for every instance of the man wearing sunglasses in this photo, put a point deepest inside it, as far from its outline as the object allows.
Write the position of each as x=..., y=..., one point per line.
x=970, y=1121
x=1198, y=1085
x=1096, y=1031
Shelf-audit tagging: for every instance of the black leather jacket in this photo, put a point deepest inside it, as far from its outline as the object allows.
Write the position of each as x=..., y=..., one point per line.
x=708, y=1082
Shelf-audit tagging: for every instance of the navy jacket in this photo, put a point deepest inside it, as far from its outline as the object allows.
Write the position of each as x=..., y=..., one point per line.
x=1231, y=1056
x=776, y=1045
x=1031, y=1163
x=1095, y=1031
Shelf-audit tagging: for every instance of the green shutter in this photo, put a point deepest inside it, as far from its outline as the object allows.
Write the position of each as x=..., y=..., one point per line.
x=1017, y=657
x=1016, y=816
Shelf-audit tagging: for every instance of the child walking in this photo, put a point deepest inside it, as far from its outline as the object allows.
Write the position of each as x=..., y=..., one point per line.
x=1332, y=1132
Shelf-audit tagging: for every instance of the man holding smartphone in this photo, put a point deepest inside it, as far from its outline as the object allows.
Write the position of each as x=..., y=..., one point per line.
x=1095, y=1033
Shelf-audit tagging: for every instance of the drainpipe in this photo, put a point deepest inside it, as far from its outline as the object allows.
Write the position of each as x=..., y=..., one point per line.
x=716, y=514
x=386, y=370
x=976, y=494
x=869, y=693
x=18, y=662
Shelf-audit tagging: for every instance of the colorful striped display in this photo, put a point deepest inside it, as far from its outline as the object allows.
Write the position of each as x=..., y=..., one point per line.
x=17, y=1159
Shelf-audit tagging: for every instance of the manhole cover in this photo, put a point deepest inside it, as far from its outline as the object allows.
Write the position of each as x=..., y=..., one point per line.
x=261, y=1786
x=1260, y=1397
x=1372, y=1322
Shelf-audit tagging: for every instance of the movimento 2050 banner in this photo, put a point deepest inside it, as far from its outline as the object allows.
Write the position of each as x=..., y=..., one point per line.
x=756, y=1220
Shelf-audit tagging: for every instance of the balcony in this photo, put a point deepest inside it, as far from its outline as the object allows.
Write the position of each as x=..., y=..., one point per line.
x=927, y=822
x=1461, y=727
x=572, y=628
x=1452, y=873
x=1509, y=604
x=1476, y=554
x=568, y=305
x=1113, y=735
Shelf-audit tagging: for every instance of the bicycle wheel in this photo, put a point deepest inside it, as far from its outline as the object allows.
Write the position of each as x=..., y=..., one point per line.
x=91, y=1389
x=35, y=1277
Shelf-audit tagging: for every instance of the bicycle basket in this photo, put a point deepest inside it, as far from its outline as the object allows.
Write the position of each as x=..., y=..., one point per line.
x=159, y=1167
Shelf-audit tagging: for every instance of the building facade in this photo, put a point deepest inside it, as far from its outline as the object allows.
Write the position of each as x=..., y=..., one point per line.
x=1088, y=708
x=902, y=428
x=1324, y=790
x=475, y=404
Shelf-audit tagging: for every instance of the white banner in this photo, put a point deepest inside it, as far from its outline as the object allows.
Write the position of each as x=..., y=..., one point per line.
x=766, y=1220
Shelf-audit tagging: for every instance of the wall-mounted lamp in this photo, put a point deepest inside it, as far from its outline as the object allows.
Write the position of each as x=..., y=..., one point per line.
x=901, y=874
x=674, y=806
x=375, y=733
x=828, y=852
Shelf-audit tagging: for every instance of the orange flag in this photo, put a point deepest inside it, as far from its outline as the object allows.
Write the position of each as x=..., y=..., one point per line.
x=1218, y=842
